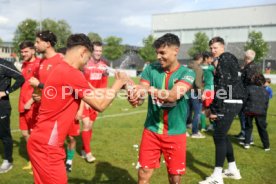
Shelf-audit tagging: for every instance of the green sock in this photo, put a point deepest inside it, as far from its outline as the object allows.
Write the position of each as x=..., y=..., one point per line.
x=203, y=121
x=70, y=154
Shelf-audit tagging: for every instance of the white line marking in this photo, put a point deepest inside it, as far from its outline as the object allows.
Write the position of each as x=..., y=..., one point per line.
x=105, y=116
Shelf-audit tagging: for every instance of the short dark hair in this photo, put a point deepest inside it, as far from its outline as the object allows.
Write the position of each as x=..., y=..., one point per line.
x=79, y=40
x=26, y=44
x=206, y=55
x=97, y=43
x=166, y=40
x=197, y=56
x=258, y=79
x=216, y=39
x=47, y=36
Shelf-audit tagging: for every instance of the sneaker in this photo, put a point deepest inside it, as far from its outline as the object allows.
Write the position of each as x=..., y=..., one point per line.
x=212, y=180
x=203, y=130
x=232, y=175
x=246, y=146
x=187, y=134
x=68, y=167
x=6, y=166
x=28, y=166
x=198, y=135
x=267, y=149
x=90, y=158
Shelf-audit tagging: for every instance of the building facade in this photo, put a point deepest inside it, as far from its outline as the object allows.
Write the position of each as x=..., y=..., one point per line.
x=232, y=24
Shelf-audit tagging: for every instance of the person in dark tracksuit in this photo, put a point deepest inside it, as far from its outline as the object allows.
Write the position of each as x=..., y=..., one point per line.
x=7, y=73
x=227, y=81
x=255, y=107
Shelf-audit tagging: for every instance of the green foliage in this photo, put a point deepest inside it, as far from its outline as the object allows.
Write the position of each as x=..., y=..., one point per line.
x=200, y=44
x=112, y=48
x=256, y=42
x=25, y=31
x=94, y=37
x=60, y=28
x=1, y=41
x=147, y=52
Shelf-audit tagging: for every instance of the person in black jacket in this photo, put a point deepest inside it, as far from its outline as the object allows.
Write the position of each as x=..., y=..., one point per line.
x=255, y=107
x=250, y=68
x=7, y=72
x=229, y=92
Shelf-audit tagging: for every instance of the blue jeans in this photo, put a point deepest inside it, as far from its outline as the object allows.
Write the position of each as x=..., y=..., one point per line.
x=196, y=107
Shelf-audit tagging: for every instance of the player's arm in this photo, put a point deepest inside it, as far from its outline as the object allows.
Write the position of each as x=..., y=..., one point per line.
x=28, y=104
x=178, y=91
x=34, y=82
x=80, y=110
x=100, y=99
x=137, y=95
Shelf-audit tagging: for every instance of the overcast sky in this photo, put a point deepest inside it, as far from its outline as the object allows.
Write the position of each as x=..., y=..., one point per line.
x=128, y=19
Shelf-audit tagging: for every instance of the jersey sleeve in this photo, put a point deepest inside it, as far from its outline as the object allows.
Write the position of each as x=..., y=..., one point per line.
x=188, y=77
x=77, y=81
x=145, y=76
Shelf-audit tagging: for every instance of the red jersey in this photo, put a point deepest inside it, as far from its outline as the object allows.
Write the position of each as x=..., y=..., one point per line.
x=96, y=73
x=29, y=69
x=47, y=65
x=58, y=107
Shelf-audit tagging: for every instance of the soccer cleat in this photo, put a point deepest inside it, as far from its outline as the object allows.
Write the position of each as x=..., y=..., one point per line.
x=6, y=166
x=212, y=180
x=90, y=158
x=232, y=175
x=198, y=135
x=28, y=166
x=68, y=167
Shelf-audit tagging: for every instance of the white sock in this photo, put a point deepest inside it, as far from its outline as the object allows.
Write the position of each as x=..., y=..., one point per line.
x=232, y=166
x=217, y=172
x=69, y=162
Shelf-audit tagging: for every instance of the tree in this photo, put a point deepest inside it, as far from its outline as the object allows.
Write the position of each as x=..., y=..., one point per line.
x=147, y=52
x=112, y=48
x=25, y=31
x=60, y=28
x=255, y=42
x=94, y=37
x=1, y=41
x=200, y=44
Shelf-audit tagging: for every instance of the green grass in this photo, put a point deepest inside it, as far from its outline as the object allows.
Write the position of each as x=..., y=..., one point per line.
x=113, y=141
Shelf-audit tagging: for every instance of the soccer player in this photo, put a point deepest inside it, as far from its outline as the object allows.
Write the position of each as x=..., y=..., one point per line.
x=166, y=81
x=26, y=103
x=7, y=73
x=62, y=93
x=96, y=74
x=44, y=43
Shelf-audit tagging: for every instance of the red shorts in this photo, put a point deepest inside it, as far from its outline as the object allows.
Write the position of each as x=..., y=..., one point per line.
x=209, y=95
x=74, y=129
x=89, y=112
x=173, y=148
x=26, y=120
x=47, y=162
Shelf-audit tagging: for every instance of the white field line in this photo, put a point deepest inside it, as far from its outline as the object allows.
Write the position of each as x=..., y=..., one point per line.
x=104, y=116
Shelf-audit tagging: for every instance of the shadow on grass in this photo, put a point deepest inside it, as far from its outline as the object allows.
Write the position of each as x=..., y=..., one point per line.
x=106, y=174
x=192, y=162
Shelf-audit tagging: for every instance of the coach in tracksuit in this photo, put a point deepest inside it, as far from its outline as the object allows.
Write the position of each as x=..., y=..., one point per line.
x=7, y=73
x=229, y=94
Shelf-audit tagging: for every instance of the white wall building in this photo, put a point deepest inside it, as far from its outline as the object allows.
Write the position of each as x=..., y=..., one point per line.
x=232, y=24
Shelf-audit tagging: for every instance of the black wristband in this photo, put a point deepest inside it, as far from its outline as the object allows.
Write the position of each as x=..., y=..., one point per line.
x=40, y=86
